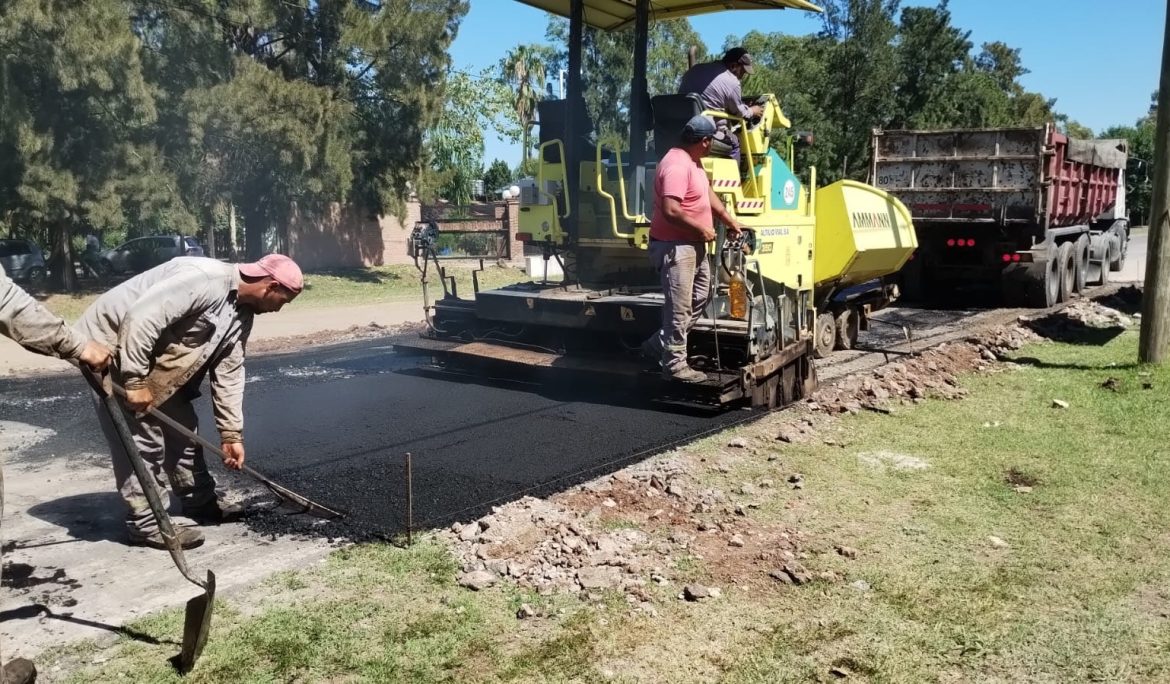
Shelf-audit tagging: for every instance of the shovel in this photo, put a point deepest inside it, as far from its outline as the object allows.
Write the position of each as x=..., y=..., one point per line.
x=284, y=493
x=197, y=620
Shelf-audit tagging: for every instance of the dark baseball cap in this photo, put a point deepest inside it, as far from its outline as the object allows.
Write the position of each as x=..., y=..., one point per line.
x=698, y=128
x=738, y=55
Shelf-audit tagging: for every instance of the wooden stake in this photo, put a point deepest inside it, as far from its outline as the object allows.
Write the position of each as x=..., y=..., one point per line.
x=1154, y=345
x=409, y=502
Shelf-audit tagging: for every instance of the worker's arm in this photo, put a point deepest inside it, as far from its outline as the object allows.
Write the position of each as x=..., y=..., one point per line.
x=734, y=104
x=672, y=208
x=227, y=400
x=38, y=330
x=719, y=210
x=165, y=303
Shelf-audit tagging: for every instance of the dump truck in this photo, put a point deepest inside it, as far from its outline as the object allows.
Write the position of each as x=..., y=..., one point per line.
x=811, y=258
x=1026, y=211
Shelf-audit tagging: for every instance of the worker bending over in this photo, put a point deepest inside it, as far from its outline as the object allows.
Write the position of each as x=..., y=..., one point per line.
x=171, y=326
x=37, y=330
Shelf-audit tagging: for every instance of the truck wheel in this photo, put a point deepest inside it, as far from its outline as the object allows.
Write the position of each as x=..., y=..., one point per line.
x=1118, y=262
x=848, y=326
x=825, y=335
x=1041, y=288
x=1081, y=250
x=1067, y=259
x=1106, y=260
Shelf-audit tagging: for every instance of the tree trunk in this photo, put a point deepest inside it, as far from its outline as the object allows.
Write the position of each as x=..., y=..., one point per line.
x=524, y=156
x=209, y=238
x=61, y=262
x=233, y=244
x=255, y=225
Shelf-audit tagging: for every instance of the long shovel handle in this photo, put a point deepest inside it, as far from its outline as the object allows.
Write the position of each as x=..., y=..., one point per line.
x=280, y=491
x=145, y=479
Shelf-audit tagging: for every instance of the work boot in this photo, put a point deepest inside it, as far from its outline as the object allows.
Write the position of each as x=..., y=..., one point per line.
x=189, y=538
x=652, y=348
x=216, y=512
x=684, y=374
x=19, y=671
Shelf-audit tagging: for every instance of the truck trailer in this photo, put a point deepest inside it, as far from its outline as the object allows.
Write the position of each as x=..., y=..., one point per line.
x=1026, y=211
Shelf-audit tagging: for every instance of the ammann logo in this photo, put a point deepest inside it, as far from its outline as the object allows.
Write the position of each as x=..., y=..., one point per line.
x=871, y=219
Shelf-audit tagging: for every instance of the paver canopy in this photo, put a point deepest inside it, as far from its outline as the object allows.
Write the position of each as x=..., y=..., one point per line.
x=611, y=15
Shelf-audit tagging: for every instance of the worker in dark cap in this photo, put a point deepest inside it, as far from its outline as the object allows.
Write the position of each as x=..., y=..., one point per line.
x=685, y=209
x=718, y=86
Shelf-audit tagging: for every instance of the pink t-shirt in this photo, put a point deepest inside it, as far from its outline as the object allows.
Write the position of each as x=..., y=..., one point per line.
x=680, y=177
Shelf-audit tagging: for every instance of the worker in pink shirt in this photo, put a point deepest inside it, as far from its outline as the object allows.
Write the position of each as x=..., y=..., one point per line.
x=685, y=209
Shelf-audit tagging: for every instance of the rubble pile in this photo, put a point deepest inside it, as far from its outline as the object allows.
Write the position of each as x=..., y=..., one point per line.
x=627, y=533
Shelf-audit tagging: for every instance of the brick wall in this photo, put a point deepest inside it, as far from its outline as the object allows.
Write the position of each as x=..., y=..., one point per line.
x=347, y=238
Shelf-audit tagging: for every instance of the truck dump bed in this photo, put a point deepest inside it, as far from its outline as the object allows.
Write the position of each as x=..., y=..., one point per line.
x=1003, y=176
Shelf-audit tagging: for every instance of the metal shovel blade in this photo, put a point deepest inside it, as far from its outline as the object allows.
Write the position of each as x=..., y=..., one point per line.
x=196, y=625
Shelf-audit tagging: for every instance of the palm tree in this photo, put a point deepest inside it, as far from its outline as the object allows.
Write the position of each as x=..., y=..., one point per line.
x=523, y=69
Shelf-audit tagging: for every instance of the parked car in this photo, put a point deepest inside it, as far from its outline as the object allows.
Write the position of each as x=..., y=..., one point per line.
x=23, y=261
x=143, y=254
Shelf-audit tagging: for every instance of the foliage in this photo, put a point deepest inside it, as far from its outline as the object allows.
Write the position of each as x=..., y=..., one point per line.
x=873, y=64
x=76, y=123
x=454, y=145
x=497, y=176
x=137, y=116
x=525, y=71
x=1139, y=172
x=608, y=65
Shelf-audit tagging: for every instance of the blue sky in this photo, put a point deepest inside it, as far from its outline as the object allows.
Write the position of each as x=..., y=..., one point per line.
x=1100, y=60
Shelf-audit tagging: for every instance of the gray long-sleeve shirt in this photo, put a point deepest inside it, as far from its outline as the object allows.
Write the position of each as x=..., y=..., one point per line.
x=33, y=326
x=172, y=324
x=718, y=88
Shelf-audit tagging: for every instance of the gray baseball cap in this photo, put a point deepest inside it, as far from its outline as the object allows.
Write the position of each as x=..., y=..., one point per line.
x=698, y=128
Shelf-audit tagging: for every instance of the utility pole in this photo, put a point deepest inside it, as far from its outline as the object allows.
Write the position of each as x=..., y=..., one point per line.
x=1154, y=346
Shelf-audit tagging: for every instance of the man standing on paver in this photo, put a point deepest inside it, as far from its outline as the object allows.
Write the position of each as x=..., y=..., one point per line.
x=36, y=329
x=718, y=85
x=685, y=207
x=172, y=325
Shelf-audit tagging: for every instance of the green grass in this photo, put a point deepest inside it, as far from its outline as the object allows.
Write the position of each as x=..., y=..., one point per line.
x=1082, y=590
x=1081, y=593
x=340, y=287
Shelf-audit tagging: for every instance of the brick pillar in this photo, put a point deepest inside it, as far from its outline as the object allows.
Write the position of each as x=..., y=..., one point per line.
x=512, y=216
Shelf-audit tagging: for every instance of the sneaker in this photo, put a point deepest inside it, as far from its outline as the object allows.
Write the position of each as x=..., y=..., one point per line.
x=215, y=513
x=19, y=671
x=684, y=374
x=189, y=538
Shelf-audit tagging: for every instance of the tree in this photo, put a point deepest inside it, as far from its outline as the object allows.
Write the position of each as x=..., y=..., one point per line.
x=863, y=64
x=930, y=54
x=525, y=70
x=497, y=177
x=608, y=68
x=455, y=143
x=76, y=124
x=274, y=103
x=1139, y=172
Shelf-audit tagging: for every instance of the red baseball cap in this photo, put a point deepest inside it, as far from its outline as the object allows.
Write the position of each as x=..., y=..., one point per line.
x=281, y=268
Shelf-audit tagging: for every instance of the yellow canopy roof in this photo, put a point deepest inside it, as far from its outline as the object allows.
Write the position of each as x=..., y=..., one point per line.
x=610, y=15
